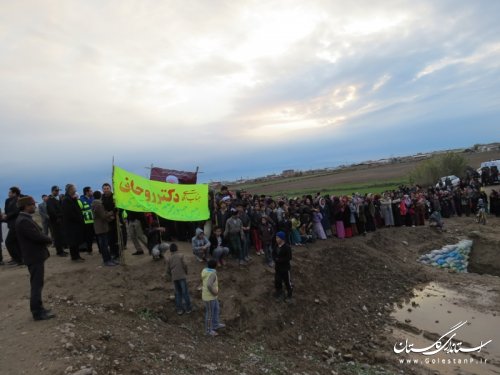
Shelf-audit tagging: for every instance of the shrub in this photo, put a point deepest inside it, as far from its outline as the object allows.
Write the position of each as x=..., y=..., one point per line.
x=429, y=171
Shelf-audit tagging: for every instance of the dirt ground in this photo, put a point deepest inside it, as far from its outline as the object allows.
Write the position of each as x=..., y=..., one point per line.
x=359, y=174
x=121, y=320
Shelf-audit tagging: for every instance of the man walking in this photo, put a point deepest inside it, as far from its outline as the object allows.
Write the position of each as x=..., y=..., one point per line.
x=33, y=244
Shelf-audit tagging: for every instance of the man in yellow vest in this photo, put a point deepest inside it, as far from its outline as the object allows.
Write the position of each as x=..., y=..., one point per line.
x=85, y=203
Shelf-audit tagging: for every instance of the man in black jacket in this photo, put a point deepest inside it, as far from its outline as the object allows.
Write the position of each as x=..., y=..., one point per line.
x=109, y=205
x=33, y=244
x=54, y=211
x=73, y=223
x=10, y=216
x=282, y=255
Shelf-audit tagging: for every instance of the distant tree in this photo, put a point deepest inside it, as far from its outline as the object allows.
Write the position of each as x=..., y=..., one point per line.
x=429, y=171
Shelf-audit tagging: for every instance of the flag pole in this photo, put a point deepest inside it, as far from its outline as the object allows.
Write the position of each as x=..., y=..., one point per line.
x=119, y=234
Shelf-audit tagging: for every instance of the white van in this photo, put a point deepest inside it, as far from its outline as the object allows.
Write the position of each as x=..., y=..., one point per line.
x=455, y=181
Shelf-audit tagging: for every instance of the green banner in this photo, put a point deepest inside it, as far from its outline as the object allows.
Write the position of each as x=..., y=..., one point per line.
x=170, y=201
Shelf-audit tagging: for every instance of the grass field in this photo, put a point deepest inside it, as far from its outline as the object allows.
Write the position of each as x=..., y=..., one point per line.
x=348, y=189
x=362, y=179
x=301, y=185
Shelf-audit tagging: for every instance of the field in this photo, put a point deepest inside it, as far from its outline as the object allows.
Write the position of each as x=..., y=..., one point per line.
x=361, y=179
x=122, y=320
x=342, y=319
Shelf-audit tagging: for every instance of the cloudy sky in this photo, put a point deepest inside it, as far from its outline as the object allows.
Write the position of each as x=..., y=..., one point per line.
x=239, y=88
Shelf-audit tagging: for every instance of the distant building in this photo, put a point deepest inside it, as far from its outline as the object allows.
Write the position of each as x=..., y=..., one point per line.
x=489, y=147
x=288, y=173
x=420, y=156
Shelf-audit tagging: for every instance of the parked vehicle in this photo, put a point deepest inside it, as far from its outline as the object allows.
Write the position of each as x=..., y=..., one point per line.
x=489, y=172
x=445, y=181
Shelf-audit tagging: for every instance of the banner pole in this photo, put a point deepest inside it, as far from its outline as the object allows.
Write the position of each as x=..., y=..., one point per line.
x=119, y=233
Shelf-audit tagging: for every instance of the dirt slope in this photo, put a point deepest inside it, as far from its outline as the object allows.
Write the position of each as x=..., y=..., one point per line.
x=122, y=321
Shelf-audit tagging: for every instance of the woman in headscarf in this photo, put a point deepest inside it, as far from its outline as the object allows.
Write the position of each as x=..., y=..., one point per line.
x=395, y=209
x=346, y=217
x=420, y=209
x=370, y=214
x=379, y=220
x=317, y=217
x=353, y=213
x=404, y=209
x=324, y=210
x=386, y=210
x=337, y=214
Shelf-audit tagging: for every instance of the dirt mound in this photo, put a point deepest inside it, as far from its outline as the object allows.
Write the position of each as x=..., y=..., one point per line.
x=122, y=320
x=485, y=257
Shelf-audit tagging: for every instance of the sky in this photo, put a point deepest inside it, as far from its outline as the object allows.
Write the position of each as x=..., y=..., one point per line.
x=238, y=88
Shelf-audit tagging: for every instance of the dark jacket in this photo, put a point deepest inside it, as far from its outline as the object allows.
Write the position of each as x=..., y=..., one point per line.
x=42, y=210
x=214, y=243
x=32, y=241
x=101, y=217
x=109, y=205
x=73, y=223
x=266, y=232
x=176, y=267
x=282, y=257
x=54, y=210
x=11, y=211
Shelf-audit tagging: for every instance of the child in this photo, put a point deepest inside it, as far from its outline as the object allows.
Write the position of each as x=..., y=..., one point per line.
x=282, y=255
x=200, y=245
x=436, y=220
x=266, y=238
x=177, y=271
x=218, y=246
x=296, y=239
x=317, y=217
x=209, y=295
x=154, y=235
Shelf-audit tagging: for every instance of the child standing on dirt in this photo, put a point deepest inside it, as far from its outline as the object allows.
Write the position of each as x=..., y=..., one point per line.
x=177, y=272
x=266, y=232
x=209, y=296
x=282, y=255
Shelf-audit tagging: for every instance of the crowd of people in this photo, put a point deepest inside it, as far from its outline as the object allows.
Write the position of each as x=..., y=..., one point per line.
x=241, y=226
x=252, y=220
x=72, y=221
x=239, y=221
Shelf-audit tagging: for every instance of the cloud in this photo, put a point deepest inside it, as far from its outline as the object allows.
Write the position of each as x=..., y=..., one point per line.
x=213, y=83
x=381, y=82
x=487, y=54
